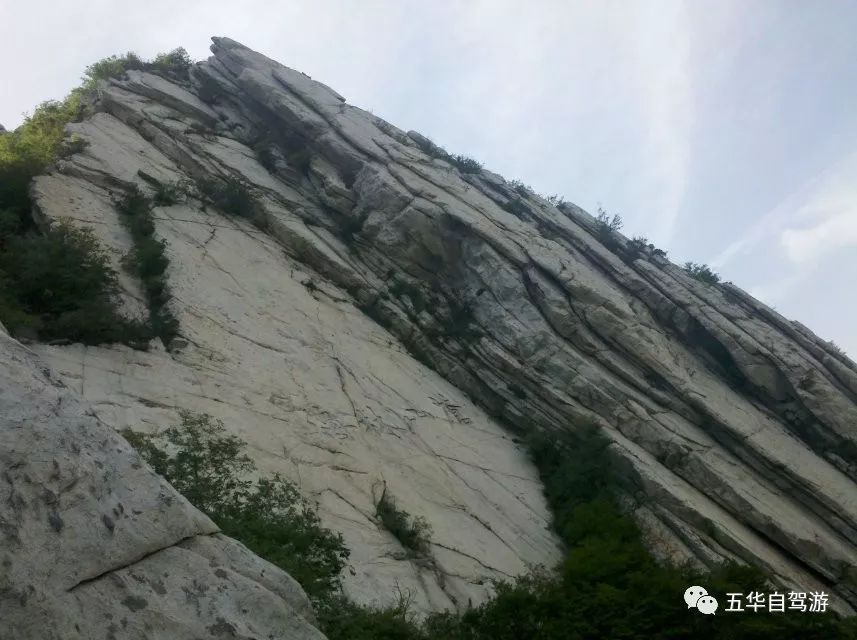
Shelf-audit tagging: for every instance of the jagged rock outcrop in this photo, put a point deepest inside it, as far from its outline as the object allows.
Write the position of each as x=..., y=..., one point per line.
x=736, y=427
x=94, y=545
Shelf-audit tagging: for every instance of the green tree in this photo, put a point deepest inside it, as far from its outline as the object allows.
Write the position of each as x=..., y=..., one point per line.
x=61, y=285
x=209, y=467
x=701, y=272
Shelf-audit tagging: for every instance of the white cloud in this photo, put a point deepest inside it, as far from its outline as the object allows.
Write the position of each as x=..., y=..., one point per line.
x=831, y=218
x=816, y=220
x=809, y=244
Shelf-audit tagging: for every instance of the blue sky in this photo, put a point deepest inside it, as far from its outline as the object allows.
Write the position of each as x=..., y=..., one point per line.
x=725, y=132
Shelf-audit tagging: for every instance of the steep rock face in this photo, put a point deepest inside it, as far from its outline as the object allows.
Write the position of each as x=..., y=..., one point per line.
x=95, y=545
x=736, y=426
x=318, y=390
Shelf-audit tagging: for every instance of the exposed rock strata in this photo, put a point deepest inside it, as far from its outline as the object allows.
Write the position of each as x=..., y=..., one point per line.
x=737, y=427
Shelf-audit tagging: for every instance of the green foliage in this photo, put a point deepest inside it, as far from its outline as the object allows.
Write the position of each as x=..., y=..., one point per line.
x=111, y=67
x=72, y=145
x=637, y=246
x=168, y=194
x=60, y=286
x=412, y=533
x=209, y=467
x=557, y=200
x=836, y=347
x=341, y=619
x=175, y=64
x=517, y=207
x=607, y=225
x=521, y=189
x=465, y=164
x=27, y=151
x=701, y=272
x=608, y=585
x=63, y=267
x=232, y=196
x=148, y=259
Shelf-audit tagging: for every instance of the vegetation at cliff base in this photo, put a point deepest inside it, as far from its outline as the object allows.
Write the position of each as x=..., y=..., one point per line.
x=607, y=586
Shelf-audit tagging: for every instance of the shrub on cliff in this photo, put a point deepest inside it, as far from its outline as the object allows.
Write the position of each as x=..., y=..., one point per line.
x=232, y=196
x=60, y=286
x=341, y=619
x=46, y=281
x=111, y=67
x=608, y=585
x=175, y=64
x=701, y=272
x=56, y=285
x=465, y=164
x=412, y=533
x=29, y=149
x=268, y=514
x=148, y=259
x=606, y=224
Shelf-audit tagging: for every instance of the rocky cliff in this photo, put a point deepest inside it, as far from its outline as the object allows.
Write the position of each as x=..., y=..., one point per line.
x=391, y=317
x=95, y=545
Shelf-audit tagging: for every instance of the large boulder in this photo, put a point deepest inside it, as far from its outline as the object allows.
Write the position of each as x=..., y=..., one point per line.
x=93, y=544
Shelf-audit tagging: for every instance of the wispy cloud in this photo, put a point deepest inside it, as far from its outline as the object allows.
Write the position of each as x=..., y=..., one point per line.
x=827, y=222
x=816, y=220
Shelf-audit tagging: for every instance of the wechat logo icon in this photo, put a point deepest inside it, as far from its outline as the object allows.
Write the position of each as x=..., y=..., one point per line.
x=698, y=598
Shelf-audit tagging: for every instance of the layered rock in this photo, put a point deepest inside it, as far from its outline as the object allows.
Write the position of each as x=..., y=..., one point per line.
x=371, y=248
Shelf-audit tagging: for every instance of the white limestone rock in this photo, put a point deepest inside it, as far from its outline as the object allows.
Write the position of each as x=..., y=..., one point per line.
x=94, y=544
x=737, y=426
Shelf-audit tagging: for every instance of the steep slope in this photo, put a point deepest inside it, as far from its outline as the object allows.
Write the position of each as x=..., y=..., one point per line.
x=95, y=545
x=737, y=428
